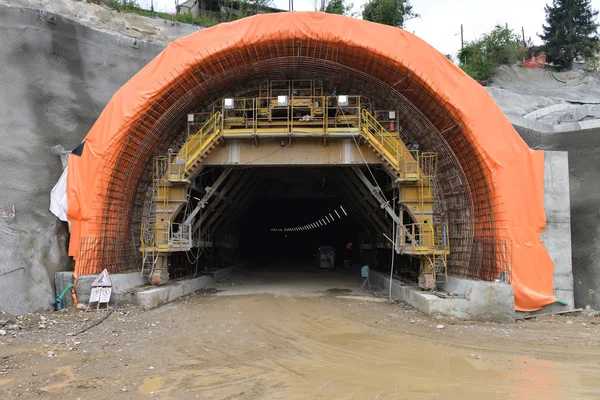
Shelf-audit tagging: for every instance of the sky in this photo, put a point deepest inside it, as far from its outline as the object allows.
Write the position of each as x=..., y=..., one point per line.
x=440, y=20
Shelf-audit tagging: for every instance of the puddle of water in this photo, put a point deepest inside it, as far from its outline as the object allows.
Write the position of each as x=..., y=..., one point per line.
x=151, y=385
x=322, y=354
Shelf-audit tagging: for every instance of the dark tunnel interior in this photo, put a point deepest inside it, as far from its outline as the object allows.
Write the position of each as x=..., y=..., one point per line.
x=286, y=214
x=258, y=242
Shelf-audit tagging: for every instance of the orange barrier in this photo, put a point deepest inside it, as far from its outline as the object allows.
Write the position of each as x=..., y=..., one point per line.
x=516, y=173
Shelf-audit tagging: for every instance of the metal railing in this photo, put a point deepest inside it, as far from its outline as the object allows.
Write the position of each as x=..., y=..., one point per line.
x=417, y=238
x=391, y=147
x=295, y=115
x=198, y=142
x=179, y=236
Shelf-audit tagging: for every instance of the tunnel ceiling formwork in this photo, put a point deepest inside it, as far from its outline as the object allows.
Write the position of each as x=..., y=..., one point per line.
x=490, y=184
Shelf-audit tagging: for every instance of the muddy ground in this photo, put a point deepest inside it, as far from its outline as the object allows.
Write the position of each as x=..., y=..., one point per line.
x=251, y=339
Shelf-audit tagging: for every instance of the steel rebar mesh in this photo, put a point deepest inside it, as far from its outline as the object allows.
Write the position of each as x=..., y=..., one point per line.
x=467, y=203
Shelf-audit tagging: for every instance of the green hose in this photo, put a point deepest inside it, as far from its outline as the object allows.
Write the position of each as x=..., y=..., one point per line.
x=558, y=79
x=59, y=298
x=564, y=303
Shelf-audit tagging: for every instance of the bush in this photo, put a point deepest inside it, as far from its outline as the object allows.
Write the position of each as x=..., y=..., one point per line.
x=593, y=64
x=481, y=57
x=186, y=18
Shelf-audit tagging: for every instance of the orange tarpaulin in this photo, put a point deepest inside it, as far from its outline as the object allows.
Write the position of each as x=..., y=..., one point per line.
x=516, y=172
x=535, y=62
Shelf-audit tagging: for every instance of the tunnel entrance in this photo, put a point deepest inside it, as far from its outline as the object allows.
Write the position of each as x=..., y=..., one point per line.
x=124, y=209
x=282, y=218
x=296, y=197
x=292, y=148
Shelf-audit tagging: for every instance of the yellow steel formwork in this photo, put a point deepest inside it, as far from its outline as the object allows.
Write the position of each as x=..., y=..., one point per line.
x=310, y=115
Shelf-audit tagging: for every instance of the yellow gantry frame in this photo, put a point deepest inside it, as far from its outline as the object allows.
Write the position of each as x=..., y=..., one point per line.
x=314, y=115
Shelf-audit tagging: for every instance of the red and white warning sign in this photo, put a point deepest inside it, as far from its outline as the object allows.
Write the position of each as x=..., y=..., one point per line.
x=105, y=295
x=100, y=295
x=95, y=295
x=102, y=280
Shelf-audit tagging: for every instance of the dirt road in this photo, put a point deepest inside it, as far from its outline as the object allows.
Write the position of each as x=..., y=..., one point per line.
x=263, y=342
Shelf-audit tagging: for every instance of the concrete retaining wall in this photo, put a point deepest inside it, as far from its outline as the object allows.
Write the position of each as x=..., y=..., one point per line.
x=150, y=298
x=557, y=235
x=584, y=169
x=121, y=283
x=484, y=301
x=158, y=296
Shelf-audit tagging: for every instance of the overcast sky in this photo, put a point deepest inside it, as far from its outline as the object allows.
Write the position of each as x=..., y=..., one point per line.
x=441, y=19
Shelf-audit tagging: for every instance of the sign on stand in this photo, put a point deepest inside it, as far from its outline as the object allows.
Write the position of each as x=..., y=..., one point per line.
x=102, y=280
x=101, y=291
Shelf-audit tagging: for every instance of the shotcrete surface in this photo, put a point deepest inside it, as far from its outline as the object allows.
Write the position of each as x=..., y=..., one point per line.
x=56, y=78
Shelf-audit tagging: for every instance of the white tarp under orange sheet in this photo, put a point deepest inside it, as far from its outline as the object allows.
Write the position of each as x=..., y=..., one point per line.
x=517, y=172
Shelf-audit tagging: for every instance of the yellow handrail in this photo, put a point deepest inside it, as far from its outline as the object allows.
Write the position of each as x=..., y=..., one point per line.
x=389, y=143
x=197, y=142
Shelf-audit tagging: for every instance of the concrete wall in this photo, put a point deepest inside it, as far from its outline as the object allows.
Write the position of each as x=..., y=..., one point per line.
x=584, y=171
x=55, y=79
x=557, y=235
x=120, y=283
x=479, y=301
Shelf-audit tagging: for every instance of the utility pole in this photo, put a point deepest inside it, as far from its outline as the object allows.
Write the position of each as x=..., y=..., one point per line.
x=462, y=40
x=523, y=31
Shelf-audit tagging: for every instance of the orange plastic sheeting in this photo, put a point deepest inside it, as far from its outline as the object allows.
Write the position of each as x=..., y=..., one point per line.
x=517, y=172
x=535, y=62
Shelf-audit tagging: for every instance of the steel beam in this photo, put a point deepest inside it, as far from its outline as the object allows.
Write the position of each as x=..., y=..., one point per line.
x=305, y=151
x=230, y=185
x=241, y=208
x=241, y=190
x=377, y=194
x=365, y=212
x=370, y=207
x=210, y=190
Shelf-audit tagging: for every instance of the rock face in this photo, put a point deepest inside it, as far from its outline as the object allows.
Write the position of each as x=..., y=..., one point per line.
x=56, y=78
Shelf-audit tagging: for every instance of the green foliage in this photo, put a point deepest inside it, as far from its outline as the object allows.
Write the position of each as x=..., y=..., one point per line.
x=593, y=64
x=481, y=57
x=339, y=7
x=245, y=8
x=389, y=12
x=571, y=31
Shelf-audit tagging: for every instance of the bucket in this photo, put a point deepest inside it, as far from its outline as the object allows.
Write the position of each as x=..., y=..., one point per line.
x=58, y=305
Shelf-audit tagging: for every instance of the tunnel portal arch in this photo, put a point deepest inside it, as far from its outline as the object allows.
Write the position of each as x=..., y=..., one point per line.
x=493, y=227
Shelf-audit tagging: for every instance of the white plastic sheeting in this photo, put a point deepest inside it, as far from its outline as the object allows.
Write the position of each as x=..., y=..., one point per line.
x=58, y=197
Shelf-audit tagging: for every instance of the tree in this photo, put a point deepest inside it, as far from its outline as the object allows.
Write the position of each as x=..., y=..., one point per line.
x=481, y=57
x=339, y=7
x=333, y=6
x=389, y=12
x=571, y=31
